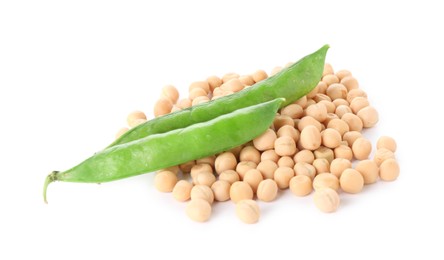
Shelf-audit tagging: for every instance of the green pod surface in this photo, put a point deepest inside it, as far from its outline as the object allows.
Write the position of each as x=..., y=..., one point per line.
x=290, y=83
x=178, y=146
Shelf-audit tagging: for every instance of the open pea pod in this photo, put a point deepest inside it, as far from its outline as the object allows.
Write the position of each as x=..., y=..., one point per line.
x=290, y=83
x=171, y=148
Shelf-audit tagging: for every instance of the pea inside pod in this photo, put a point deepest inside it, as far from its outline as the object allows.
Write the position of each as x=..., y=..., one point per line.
x=172, y=148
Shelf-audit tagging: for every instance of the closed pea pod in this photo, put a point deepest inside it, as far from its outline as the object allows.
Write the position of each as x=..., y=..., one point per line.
x=292, y=83
x=151, y=153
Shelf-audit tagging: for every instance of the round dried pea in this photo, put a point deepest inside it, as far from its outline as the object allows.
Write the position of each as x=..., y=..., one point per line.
x=290, y=131
x=282, y=176
x=322, y=87
x=253, y=177
x=338, y=166
x=331, y=138
x=383, y=154
x=267, y=168
x=250, y=153
x=286, y=161
x=359, y=103
x=205, y=178
x=282, y=120
x=121, y=132
x=248, y=211
x=306, y=156
x=309, y=121
x=350, y=137
x=246, y=80
x=229, y=176
x=324, y=153
x=342, y=74
x=265, y=141
x=221, y=190
x=243, y=167
x=317, y=111
x=233, y=85
x=170, y=92
x=369, y=171
x=182, y=190
x=352, y=94
x=389, y=170
x=330, y=79
x=165, y=181
x=285, y=146
x=293, y=110
x=267, y=190
x=341, y=110
x=225, y=161
x=343, y=151
x=259, y=75
x=198, y=210
x=200, y=85
x=134, y=116
x=350, y=82
x=310, y=138
x=325, y=180
x=270, y=155
x=361, y=148
x=229, y=76
x=351, y=181
x=214, y=82
x=327, y=200
x=338, y=124
x=302, y=168
x=301, y=185
x=337, y=90
x=387, y=143
x=369, y=116
x=200, y=168
x=202, y=192
x=240, y=191
x=321, y=165
x=328, y=70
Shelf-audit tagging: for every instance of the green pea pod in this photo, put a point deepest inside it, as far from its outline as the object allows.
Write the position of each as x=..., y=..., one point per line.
x=178, y=146
x=291, y=83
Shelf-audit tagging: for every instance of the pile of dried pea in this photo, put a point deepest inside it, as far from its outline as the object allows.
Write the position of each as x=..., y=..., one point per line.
x=310, y=146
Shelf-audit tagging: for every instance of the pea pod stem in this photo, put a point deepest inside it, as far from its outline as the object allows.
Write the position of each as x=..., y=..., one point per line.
x=178, y=146
x=290, y=83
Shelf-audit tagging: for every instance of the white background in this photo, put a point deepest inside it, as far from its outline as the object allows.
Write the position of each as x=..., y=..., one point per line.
x=70, y=72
